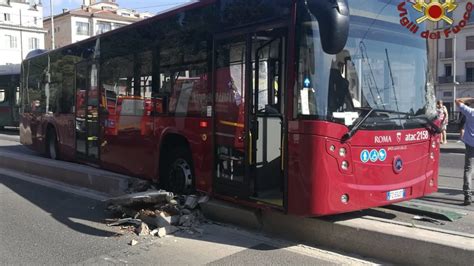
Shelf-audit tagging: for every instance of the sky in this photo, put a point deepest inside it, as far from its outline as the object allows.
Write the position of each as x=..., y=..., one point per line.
x=152, y=6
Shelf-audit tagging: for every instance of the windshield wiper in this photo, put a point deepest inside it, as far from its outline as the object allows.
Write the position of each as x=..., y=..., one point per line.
x=393, y=82
x=357, y=126
x=428, y=123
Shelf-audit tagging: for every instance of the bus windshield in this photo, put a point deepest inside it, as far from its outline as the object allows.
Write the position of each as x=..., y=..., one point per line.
x=384, y=66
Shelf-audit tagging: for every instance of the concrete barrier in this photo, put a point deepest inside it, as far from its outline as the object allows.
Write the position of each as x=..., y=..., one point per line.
x=69, y=173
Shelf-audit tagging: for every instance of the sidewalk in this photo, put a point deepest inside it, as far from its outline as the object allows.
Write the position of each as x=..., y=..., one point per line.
x=453, y=146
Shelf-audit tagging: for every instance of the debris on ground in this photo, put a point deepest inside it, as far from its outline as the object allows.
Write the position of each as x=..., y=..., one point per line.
x=157, y=213
x=142, y=230
x=427, y=219
x=126, y=221
x=140, y=198
x=133, y=242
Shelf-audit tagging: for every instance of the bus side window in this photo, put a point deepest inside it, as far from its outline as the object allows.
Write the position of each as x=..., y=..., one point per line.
x=3, y=96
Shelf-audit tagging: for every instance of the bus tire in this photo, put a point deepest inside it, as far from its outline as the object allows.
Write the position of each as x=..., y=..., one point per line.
x=52, y=150
x=178, y=172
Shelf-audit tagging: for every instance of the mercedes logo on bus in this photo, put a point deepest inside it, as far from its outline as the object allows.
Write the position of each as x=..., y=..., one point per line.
x=397, y=164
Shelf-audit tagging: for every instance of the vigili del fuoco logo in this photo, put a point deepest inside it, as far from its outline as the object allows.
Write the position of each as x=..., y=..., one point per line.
x=434, y=11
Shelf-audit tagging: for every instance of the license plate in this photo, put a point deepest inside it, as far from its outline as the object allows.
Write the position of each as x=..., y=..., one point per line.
x=396, y=194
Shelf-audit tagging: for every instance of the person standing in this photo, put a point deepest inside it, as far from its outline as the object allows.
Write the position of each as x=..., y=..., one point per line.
x=462, y=122
x=468, y=139
x=443, y=120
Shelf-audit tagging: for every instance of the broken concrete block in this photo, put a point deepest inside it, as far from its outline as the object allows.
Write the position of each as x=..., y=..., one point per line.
x=148, y=197
x=133, y=242
x=186, y=220
x=164, y=220
x=168, y=230
x=160, y=220
x=191, y=202
x=154, y=232
x=126, y=221
x=142, y=230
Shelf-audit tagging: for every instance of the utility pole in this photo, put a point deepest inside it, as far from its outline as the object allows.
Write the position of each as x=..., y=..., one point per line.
x=53, y=46
x=454, y=73
x=21, y=36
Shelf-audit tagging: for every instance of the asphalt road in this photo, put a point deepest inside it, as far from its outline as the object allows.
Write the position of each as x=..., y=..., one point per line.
x=42, y=225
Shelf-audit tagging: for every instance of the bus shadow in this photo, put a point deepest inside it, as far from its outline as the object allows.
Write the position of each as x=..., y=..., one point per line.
x=359, y=214
x=65, y=208
x=17, y=148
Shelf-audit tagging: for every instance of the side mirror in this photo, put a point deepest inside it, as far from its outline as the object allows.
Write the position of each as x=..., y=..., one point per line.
x=333, y=17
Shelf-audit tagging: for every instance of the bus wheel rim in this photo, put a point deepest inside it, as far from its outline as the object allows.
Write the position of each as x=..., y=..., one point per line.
x=181, y=170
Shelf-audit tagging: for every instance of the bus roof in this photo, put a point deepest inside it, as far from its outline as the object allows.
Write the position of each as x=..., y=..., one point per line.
x=162, y=15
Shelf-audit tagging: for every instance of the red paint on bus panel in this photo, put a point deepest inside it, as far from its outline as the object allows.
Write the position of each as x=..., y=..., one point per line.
x=316, y=182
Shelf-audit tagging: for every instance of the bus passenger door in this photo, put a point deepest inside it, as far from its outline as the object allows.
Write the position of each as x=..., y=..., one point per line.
x=248, y=89
x=15, y=88
x=87, y=112
x=231, y=79
x=266, y=116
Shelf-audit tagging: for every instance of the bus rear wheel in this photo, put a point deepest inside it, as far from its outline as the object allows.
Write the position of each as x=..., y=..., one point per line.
x=52, y=145
x=179, y=174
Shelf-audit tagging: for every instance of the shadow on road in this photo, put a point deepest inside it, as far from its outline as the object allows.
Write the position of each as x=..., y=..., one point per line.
x=17, y=148
x=444, y=200
x=451, y=192
x=359, y=214
x=62, y=206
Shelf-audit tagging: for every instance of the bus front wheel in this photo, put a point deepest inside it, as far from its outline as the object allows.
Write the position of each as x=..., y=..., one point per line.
x=52, y=145
x=179, y=177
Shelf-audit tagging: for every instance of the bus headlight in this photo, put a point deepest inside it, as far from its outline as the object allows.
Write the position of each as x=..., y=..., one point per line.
x=345, y=165
x=345, y=198
x=342, y=152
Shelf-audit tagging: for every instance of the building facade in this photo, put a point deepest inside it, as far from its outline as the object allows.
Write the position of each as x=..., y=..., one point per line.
x=21, y=30
x=92, y=18
x=455, y=64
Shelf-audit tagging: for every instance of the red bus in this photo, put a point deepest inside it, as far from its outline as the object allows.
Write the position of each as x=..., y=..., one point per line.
x=9, y=95
x=311, y=107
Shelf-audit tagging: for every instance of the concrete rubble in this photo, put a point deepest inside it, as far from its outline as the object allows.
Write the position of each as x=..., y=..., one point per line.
x=157, y=213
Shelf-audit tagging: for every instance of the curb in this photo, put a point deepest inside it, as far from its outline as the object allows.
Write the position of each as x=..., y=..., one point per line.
x=69, y=173
x=453, y=150
x=384, y=241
